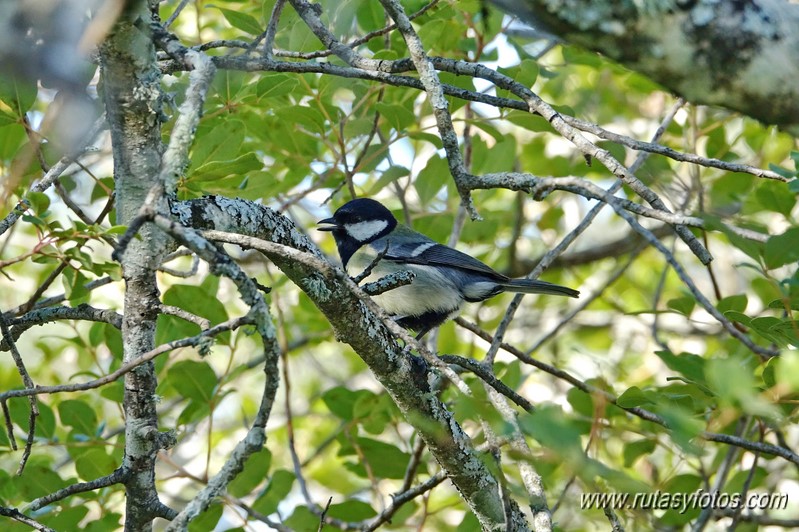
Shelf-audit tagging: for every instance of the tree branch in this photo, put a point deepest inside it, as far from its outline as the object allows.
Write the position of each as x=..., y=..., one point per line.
x=45, y=315
x=197, y=340
x=402, y=375
x=119, y=476
x=221, y=264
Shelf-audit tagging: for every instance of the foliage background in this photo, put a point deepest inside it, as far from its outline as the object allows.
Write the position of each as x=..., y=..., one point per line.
x=295, y=141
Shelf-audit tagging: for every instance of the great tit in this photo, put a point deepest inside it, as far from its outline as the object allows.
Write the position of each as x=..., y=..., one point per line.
x=444, y=279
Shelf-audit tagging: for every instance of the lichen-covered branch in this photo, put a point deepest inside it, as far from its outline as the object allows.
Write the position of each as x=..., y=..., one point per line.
x=133, y=100
x=221, y=264
x=404, y=377
x=739, y=55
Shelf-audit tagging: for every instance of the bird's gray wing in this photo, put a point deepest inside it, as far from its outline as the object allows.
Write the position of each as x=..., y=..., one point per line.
x=433, y=254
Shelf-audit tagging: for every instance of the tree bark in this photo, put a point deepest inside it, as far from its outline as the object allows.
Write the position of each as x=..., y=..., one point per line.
x=740, y=55
x=132, y=96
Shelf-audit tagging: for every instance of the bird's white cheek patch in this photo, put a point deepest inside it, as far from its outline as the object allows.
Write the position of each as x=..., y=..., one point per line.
x=363, y=231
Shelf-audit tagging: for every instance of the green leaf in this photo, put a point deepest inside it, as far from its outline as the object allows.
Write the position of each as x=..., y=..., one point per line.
x=17, y=94
x=370, y=16
x=775, y=196
x=691, y=366
x=255, y=471
x=94, y=463
x=37, y=481
x=388, y=177
x=353, y=510
x=750, y=247
x=311, y=119
x=684, y=425
x=737, y=303
x=20, y=415
x=113, y=392
x=276, y=491
x=469, y=524
x=195, y=411
x=74, y=285
x=374, y=413
x=7, y=487
x=109, y=521
x=500, y=157
x=385, y=460
x=432, y=178
x=398, y=116
x=733, y=380
x=580, y=401
x=782, y=249
x=634, y=450
x=66, y=518
x=302, y=519
x=78, y=414
x=12, y=137
x=341, y=400
x=683, y=305
x=787, y=371
x=217, y=140
x=197, y=300
x=554, y=430
x=214, y=170
x=275, y=85
x=739, y=317
x=171, y=328
x=784, y=172
x=40, y=202
x=634, y=396
x=193, y=380
x=208, y=519
x=242, y=21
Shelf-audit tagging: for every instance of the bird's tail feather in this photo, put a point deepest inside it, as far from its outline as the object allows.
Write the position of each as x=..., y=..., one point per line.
x=534, y=286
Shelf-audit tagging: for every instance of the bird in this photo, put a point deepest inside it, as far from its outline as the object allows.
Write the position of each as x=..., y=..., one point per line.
x=444, y=278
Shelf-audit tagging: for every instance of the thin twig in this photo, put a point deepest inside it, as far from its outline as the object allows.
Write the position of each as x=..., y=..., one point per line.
x=117, y=477
x=29, y=385
x=484, y=372
x=131, y=365
x=271, y=28
x=15, y=514
x=401, y=498
x=175, y=13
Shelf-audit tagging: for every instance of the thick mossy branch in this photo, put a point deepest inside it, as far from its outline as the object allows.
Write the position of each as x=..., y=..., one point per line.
x=405, y=377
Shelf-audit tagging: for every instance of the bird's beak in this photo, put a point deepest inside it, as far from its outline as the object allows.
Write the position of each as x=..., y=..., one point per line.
x=328, y=224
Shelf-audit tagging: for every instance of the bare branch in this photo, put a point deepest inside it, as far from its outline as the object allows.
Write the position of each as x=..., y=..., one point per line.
x=28, y=382
x=45, y=315
x=196, y=340
x=271, y=28
x=51, y=176
x=401, y=498
x=117, y=477
x=435, y=93
x=485, y=373
x=389, y=282
x=55, y=300
x=221, y=264
x=178, y=312
x=15, y=514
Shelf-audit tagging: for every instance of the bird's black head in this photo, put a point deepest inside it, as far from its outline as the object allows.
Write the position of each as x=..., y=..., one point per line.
x=356, y=223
